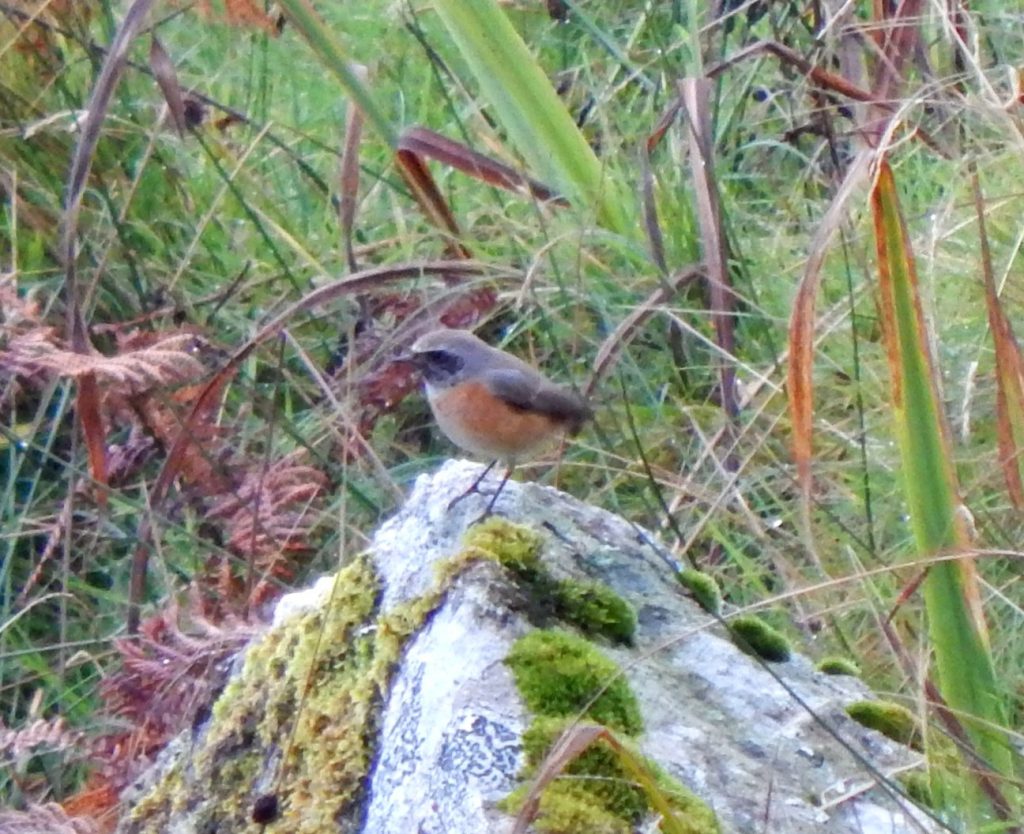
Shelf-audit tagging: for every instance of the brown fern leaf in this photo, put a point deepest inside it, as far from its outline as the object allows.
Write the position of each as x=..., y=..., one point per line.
x=156, y=416
x=18, y=313
x=244, y=13
x=268, y=518
x=96, y=802
x=166, y=674
x=45, y=819
x=172, y=360
x=43, y=735
x=203, y=463
x=20, y=317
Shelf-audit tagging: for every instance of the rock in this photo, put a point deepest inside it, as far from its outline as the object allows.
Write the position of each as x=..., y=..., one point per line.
x=417, y=670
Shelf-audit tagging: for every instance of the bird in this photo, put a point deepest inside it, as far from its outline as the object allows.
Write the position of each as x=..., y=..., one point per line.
x=490, y=403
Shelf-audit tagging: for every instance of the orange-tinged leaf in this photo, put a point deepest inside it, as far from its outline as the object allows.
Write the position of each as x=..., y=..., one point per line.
x=1009, y=368
x=426, y=143
x=799, y=382
x=91, y=421
x=425, y=191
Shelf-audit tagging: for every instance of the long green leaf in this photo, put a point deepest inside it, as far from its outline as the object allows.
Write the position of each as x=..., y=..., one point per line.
x=966, y=675
x=302, y=14
x=525, y=103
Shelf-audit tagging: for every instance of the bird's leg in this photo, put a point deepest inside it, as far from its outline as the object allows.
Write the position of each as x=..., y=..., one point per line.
x=494, y=498
x=475, y=486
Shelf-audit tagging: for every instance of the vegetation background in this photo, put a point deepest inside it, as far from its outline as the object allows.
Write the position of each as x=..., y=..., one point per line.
x=203, y=405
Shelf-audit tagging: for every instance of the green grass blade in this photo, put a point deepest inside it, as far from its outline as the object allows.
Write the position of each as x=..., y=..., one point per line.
x=528, y=107
x=333, y=56
x=966, y=674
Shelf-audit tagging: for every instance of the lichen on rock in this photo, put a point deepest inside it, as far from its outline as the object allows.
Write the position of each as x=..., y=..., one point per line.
x=297, y=722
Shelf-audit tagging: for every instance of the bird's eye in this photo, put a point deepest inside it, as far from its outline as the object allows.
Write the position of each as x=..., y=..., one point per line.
x=442, y=362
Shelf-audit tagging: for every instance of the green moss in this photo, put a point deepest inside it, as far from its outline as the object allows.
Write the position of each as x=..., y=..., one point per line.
x=558, y=674
x=595, y=609
x=512, y=545
x=890, y=719
x=306, y=700
x=596, y=792
x=563, y=678
x=838, y=666
x=703, y=587
x=918, y=787
x=754, y=636
x=565, y=807
x=611, y=787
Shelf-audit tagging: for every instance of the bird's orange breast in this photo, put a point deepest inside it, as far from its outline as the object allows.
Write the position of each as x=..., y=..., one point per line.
x=485, y=425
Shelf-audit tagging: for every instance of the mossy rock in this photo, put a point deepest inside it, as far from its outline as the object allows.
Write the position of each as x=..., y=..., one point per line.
x=704, y=588
x=558, y=674
x=595, y=609
x=592, y=607
x=344, y=659
x=512, y=545
x=838, y=666
x=890, y=719
x=755, y=637
x=597, y=791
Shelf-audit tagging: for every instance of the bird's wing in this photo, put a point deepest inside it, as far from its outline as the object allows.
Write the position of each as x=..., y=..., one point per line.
x=522, y=390
x=515, y=387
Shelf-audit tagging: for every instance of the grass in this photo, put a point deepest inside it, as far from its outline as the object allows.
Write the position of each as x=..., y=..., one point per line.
x=223, y=228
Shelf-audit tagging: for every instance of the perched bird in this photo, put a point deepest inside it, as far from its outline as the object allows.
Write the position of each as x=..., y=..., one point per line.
x=490, y=403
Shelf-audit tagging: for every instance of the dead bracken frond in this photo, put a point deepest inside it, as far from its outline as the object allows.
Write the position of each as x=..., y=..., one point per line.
x=44, y=819
x=43, y=735
x=18, y=313
x=169, y=361
x=240, y=13
x=174, y=667
x=269, y=514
